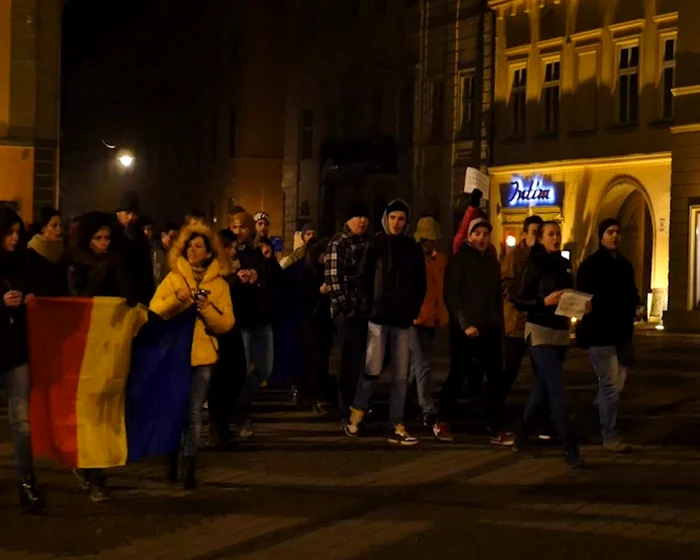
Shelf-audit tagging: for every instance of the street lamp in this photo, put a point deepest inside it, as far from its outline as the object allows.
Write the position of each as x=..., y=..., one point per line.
x=126, y=160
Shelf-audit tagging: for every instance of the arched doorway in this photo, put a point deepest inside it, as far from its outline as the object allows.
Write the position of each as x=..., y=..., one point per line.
x=626, y=201
x=637, y=240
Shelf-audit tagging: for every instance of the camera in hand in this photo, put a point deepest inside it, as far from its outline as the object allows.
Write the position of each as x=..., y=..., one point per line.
x=201, y=294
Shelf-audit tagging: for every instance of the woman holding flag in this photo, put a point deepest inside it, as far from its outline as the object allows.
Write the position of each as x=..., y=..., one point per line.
x=196, y=278
x=13, y=352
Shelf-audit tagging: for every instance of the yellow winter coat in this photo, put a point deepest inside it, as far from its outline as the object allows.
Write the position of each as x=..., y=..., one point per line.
x=217, y=317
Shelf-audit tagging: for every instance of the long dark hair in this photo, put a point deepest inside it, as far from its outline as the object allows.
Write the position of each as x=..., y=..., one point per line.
x=8, y=219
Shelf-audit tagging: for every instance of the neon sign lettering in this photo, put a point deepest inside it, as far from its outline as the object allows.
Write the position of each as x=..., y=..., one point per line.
x=537, y=193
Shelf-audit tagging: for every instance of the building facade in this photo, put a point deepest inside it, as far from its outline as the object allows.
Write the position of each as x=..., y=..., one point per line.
x=30, y=32
x=384, y=99
x=584, y=109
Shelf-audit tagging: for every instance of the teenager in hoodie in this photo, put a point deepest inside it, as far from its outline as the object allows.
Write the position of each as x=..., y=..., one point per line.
x=473, y=298
x=392, y=282
x=46, y=260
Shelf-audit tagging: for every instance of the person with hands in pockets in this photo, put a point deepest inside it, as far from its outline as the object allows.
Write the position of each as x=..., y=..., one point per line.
x=196, y=277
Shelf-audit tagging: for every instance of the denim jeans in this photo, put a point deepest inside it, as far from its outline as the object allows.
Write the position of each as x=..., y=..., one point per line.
x=422, y=345
x=549, y=387
x=17, y=383
x=399, y=342
x=201, y=376
x=259, y=356
x=611, y=379
x=352, y=336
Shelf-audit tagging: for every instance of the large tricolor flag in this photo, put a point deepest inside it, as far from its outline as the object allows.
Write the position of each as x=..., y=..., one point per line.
x=108, y=385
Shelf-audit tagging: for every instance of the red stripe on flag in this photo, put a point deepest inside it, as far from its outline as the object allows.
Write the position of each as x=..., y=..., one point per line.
x=58, y=330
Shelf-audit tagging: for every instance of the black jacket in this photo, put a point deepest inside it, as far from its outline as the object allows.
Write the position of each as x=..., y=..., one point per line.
x=615, y=299
x=13, y=321
x=91, y=275
x=472, y=289
x=544, y=273
x=392, y=280
x=46, y=271
x=254, y=306
x=130, y=246
x=308, y=280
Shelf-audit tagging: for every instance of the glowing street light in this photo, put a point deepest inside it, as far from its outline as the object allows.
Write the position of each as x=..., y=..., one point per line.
x=511, y=241
x=126, y=160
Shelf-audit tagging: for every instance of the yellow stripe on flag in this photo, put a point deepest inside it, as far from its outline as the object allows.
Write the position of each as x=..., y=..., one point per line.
x=102, y=383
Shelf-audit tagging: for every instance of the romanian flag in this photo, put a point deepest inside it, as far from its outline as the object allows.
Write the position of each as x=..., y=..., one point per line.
x=103, y=395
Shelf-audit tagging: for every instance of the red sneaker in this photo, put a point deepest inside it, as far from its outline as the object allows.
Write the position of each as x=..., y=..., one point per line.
x=503, y=439
x=442, y=432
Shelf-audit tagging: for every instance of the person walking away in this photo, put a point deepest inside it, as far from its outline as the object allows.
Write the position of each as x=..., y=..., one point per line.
x=308, y=232
x=341, y=268
x=393, y=285
x=159, y=251
x=94, y=271
x=47, y=264
x=316, y=327
x=130, y=246
x=512, y=268
x=547, y=274
x=473, y=299
x=196, y=278
x=258, y=273
x=608, y=329
x=229, y=374
x=433, y=314
x=14, y=354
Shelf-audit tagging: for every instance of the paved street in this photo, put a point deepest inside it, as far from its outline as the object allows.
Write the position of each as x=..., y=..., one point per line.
x=303, y=490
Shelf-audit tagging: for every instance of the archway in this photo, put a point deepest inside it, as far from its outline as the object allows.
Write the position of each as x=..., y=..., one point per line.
x=627, y=201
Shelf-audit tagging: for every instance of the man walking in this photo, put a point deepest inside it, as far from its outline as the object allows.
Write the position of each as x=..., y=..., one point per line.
x=392, y=279
x=473, y=298
x=608, y=329
x=341, y=268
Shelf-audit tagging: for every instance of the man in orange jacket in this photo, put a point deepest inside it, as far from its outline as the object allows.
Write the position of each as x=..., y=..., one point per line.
x=433, y=314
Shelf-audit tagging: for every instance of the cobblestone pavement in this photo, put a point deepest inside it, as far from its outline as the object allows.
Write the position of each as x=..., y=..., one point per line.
x=302, y=490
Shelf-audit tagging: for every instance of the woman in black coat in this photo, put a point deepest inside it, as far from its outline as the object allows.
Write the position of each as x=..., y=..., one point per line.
x=13, y=352
x=547, y=274
x=46, y=260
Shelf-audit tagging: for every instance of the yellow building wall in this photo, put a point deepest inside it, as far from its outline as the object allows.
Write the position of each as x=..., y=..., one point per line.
x=17, y=178
x=595, y=190
x=5, y=44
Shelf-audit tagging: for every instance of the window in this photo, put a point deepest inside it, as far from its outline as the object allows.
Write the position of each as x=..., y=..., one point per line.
x=381, y=6
x=628, y=85
x=468, y=95
x=331, y=118
x=518, y=101
x=668, y=76
x=437, y=98
x=550, y=95
x=377, y=110
x=232, y=133
x=307, y=134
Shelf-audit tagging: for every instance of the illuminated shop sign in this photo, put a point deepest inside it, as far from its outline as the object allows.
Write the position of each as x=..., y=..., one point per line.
x=532, y=191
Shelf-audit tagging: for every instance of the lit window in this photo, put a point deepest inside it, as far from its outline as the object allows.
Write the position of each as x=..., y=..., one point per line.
x=518, y=101
x=668, y=76
x=550, y=95
x=437, y=98
x=628, y=85
x=307, y=134
x=468, y=91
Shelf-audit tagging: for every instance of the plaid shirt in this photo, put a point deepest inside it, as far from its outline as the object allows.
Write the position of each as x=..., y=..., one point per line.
x=342, y=260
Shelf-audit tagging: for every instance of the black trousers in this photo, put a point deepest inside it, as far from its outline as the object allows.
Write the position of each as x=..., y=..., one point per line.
x=228, y=377
x=352, y=332
x=316, y=345
x=471, y=359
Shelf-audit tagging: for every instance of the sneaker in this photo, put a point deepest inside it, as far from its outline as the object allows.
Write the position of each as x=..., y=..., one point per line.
x=399, y=435
x=352, y=427
x=503, y=439
x=99, y=493
x=441, y=430
x=83, y=482
x=616, y=445
x=246, y=432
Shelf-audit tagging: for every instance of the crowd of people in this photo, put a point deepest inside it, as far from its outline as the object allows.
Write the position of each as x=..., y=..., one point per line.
x=380, y=298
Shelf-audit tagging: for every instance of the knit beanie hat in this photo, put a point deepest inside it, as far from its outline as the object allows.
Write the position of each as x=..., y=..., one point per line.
x=479, y=222
x=129, y=202
x=357, y=209
x=428, y=229
x=47, y=212
x=262, y=216
x=604, y=225
x=399, y=206
x=308, y=226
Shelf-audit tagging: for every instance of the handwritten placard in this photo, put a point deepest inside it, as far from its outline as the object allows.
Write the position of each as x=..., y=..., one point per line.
x=573, y=304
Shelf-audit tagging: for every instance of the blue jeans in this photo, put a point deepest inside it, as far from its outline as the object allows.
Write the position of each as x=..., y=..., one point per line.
x=17, y=383
x=399, y=341
x=201, y=376
x=611, y=379
x=259, y=356
x=422, y=344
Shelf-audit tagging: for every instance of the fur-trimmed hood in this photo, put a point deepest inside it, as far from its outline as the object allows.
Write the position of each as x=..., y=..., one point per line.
x=220, y=265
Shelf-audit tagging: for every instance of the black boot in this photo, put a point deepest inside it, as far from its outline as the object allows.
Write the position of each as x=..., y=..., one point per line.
x=30, y=498
x=171, y=470
x=190, y=482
